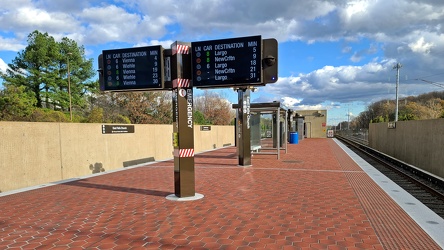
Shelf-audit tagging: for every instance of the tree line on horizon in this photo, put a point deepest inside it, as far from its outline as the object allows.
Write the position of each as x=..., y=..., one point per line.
x=422, y=107
x=36, y=89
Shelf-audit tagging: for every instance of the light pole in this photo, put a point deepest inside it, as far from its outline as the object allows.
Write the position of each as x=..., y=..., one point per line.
x=69, y=88
x=397, y=67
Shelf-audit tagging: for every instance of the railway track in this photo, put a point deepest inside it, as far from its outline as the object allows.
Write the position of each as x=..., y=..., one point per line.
x=426, y=187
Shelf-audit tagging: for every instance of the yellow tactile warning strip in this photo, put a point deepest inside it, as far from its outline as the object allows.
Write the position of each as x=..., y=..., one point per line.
x=309, y=199
x=395, y=229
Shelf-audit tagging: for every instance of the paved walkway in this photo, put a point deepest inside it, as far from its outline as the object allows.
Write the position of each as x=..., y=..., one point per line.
x=314, y=197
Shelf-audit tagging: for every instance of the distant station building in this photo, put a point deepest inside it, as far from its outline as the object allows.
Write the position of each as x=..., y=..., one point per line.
x=309, y=123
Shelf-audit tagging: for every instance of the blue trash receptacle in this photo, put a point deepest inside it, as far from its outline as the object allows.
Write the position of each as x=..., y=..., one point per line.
x=294, y=138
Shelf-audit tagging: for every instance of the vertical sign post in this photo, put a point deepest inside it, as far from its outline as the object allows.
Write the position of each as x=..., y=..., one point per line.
x=244, y=137
x=183, y=131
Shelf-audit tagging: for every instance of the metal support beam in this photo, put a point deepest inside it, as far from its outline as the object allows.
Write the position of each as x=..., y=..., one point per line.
x=286, y=129
x=279, y=132
x=243, y=128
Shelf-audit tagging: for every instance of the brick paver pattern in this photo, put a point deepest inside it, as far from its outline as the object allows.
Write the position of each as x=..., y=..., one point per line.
x=313, y=197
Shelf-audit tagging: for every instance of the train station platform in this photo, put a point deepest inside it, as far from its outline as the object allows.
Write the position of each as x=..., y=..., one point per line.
x=316, y=196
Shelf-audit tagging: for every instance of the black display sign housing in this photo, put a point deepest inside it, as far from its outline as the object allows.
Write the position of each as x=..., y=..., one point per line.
x=132, y=69
x=227, y=62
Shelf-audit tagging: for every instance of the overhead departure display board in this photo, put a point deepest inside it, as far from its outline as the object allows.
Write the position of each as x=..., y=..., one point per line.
x=133, y=69
x=227, y=62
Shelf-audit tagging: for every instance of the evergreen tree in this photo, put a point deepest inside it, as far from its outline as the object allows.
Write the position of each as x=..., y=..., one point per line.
x=15, y=103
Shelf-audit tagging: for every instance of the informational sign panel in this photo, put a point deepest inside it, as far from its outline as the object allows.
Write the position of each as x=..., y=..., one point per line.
x=205, y=128
x=133, y=69
x=117, y=129
x=391, y=125
x=227, y=62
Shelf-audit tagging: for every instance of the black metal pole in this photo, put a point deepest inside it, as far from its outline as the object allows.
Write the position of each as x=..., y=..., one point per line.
x=243, y=124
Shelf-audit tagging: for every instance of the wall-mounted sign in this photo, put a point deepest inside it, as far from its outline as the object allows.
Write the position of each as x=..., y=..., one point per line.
x=227, y=62
x=117, y=129
x=392, y=125
x=205, y=128
x=175, y=139
x=132, y=69
x=330, y=133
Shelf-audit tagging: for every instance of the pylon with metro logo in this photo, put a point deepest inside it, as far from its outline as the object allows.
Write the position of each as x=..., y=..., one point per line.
x=183, y=130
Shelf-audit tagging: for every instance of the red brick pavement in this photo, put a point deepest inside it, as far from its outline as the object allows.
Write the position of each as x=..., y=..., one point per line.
x=314, y=197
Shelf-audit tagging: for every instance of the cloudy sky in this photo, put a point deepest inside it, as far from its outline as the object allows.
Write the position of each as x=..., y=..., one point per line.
x=333, y=54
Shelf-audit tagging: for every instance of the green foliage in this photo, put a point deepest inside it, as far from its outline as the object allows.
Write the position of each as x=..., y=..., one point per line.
x=42, y=69
x=407, y=117
x=47, y=115
x=120, y=119
x=96, y=116
x=425, y=106
x=15, y=103
x=233, y=122
x=215, y=109
x=266, y=123
x=199, y=118
x=379, y=119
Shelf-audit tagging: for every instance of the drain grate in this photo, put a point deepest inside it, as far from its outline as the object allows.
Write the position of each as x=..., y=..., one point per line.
x=292, y=161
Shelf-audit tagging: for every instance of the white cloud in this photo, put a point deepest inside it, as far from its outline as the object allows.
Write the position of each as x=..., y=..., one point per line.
x=308, y=107
x=347, y=49
x=420, y=46
x=335, y=84
x=165, y=44
x=316, y=20
x=356, y=57
x=290, y=102
x=8, y=44
x=6, y=6
x=68, y=6
x=112, y=23
x=409, y=32
x=29, y=18
x=355, y=8
x=3, y=66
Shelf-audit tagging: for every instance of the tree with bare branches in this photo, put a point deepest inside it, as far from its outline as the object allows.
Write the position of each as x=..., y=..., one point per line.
x=216, y=109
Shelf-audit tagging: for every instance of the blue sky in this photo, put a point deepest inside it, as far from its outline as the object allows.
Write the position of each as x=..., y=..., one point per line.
x=336, y=55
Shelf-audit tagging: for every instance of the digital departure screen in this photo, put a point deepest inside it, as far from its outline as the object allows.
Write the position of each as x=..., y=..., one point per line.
x=227, y=62
x=133, y=69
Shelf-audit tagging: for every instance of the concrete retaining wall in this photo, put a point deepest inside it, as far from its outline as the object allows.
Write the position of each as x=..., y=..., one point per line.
x=37, y=153
x=419, y=143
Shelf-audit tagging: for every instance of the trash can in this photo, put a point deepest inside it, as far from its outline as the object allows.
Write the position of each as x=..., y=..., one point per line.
x=294, y=139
